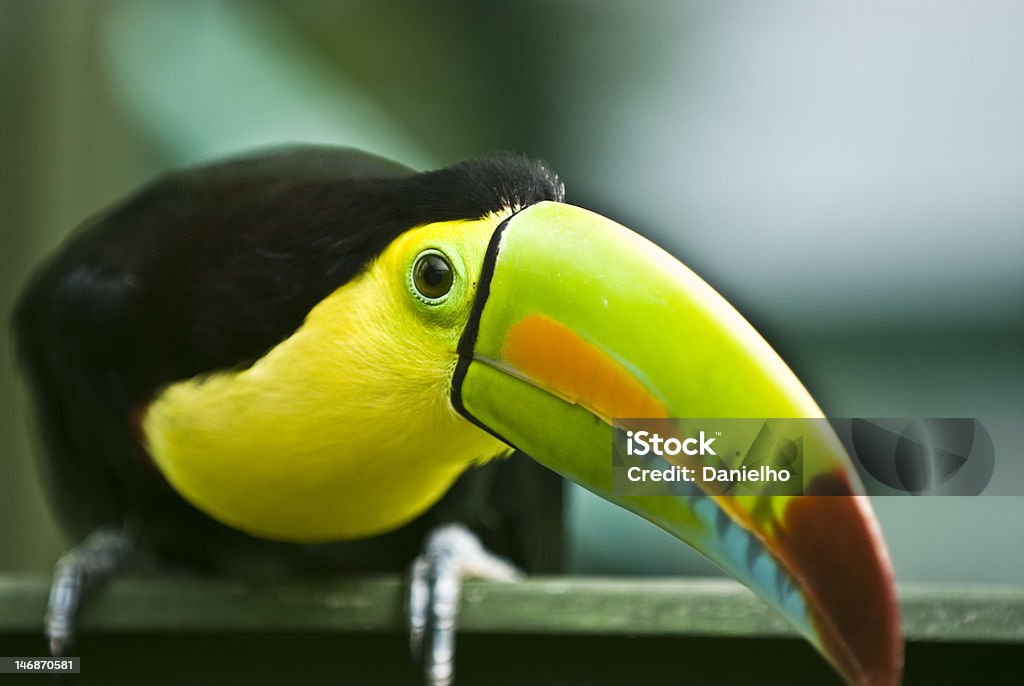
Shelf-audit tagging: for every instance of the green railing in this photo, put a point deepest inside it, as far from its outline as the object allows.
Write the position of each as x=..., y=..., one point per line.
x=558, y=630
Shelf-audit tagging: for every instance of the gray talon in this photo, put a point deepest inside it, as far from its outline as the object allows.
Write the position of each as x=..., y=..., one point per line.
x=452, y=555
x=102, y=553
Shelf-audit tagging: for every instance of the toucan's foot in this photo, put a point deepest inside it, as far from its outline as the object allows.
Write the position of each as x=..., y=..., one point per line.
x=105, y=551
x=452, y=554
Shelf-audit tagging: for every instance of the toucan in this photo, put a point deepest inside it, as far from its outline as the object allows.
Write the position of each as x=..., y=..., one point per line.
x=312, y=359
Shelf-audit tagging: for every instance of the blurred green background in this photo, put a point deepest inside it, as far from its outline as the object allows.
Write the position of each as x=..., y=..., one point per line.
x=850, y=176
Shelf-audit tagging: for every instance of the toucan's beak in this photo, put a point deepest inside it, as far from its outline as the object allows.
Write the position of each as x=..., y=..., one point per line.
x=579, y=321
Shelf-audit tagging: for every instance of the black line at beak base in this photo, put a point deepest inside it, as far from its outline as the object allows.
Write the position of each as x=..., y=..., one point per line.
x=468, y=340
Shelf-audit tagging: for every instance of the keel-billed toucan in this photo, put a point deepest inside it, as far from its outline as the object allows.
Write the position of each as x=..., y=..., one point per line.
x=306, y=358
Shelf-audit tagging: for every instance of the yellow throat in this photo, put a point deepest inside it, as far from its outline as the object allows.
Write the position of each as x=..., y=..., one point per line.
x=344, y=429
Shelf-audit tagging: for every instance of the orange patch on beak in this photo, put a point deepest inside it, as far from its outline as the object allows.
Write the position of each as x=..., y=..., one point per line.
x=552, y=355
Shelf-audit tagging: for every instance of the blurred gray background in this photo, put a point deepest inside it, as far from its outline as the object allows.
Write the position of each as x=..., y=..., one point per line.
x=850, y=175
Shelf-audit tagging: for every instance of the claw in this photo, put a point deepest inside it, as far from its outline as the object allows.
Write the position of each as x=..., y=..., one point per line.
x=452, y=555
x=102, y=553
x=419, y=602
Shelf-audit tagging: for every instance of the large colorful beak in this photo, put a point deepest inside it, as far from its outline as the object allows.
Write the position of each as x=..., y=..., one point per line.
x=579, y=321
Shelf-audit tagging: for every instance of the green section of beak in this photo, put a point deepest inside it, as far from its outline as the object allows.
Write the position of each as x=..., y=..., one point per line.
x=614, y=288
x=580, y=321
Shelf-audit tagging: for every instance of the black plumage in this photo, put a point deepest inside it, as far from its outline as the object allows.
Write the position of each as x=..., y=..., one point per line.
x=208, y=268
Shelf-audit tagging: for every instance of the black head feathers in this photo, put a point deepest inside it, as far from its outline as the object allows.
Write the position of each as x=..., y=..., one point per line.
x=209, y=267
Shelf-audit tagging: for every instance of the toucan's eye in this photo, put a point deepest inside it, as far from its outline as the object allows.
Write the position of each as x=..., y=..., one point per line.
x=432, y=275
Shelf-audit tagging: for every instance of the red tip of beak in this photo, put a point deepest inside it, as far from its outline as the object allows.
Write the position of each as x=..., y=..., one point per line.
x=832, y=544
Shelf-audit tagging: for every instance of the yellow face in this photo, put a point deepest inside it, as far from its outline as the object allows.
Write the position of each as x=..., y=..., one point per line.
x=345, y=429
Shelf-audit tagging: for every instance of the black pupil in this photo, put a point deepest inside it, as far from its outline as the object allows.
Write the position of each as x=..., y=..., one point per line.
x=433, y=276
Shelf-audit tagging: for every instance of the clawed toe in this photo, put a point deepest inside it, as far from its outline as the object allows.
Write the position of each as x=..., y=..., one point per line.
x=452, y=554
